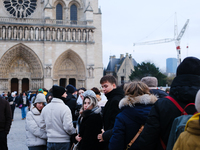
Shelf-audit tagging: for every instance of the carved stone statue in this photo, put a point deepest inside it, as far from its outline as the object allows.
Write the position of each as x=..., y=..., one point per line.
x=91, y=36
x=84, y=35
x=68, y=35
x=63, y=35
x=4, y=33
x=9, y=32
x=32, y=34
x=14, y=32
x=58, y=34
x=48, y=34
x=26, y=34
x=21, y=10
x=54, y=34
x=74, y=35
x=36, y=34
x=42, y=34
x=20, y=33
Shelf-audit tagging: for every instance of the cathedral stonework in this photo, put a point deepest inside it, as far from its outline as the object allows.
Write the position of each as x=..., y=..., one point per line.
x=46, y=42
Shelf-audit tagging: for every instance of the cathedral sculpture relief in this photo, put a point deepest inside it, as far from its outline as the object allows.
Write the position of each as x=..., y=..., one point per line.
x=52, y=34
x=20, y=8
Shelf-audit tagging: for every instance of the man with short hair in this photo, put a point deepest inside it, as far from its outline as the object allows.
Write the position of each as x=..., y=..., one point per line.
x=183, y=90
x=56, y=118
x=114, y=94
x=5, y=122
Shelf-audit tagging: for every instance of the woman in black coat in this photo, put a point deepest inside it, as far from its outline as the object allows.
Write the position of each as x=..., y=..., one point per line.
x=89, y=125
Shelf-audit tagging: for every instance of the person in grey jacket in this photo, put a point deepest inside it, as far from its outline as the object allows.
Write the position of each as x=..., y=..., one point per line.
x=35, y=136
x=56, y=118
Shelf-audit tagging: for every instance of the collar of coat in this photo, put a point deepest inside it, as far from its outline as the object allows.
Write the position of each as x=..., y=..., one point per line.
x=143, y=99
x=35, y=111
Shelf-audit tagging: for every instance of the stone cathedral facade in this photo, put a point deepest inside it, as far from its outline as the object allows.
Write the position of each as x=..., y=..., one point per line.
x=46, y=42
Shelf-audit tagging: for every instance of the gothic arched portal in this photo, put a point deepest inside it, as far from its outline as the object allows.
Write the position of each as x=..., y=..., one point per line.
x=20, y=62
x=69, y=66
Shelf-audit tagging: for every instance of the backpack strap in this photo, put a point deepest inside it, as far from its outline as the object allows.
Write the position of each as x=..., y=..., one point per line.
x=178, y=106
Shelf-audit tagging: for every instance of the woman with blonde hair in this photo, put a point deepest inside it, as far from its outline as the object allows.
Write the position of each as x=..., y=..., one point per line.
x=89, y=125
x=135, y=107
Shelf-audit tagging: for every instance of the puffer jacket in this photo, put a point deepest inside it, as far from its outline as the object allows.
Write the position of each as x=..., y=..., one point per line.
x=35, y=136
x=189, y=139
x=127, y=123
x=56, y=118
x=158, y=126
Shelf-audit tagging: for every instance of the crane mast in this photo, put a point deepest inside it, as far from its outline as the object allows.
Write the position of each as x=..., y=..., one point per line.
x=176, y=39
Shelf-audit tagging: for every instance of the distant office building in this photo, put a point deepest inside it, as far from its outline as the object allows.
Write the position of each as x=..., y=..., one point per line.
x=171, y=65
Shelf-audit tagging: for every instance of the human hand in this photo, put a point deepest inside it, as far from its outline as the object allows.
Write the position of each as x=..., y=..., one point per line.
x=78, y=138
x=100, y=136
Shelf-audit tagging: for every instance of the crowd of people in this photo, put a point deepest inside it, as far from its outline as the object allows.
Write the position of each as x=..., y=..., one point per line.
x=108, y=119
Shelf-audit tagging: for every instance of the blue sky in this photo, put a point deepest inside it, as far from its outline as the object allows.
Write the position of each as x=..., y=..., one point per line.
x=131, y=21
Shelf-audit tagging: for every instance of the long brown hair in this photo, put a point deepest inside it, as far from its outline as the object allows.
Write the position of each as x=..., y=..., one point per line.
x=136, y=88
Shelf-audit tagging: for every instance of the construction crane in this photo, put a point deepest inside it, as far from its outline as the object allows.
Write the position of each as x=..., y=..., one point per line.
x=177, y=39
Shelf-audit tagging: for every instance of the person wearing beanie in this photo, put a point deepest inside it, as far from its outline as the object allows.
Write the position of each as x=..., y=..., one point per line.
x=189, y=139
x=70, y=100
x=183, y=90
x=152, y=83
x=56, y=119
x=35, y=136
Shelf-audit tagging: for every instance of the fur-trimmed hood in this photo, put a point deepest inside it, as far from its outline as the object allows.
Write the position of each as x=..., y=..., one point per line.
x=143, y=99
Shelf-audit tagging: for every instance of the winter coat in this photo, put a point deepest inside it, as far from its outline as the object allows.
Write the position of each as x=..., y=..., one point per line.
x=189, y=139
x=127, y=123
x=158, y=93
x=21, y=101
x=57, y=119
x=35, y=136
x=11, y=100
x=70, y=101
x=162, y=114
x=5, y=115
x=111, y=110
x=89, y=127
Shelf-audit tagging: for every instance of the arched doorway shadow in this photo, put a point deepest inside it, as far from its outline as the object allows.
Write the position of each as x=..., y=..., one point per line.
x=69, y=69
x=22, y=63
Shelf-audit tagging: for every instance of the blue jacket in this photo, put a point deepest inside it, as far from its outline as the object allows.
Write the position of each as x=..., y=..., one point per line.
x=127, y=123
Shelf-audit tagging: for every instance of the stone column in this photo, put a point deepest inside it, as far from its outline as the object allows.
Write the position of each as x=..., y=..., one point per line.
x=20, y=85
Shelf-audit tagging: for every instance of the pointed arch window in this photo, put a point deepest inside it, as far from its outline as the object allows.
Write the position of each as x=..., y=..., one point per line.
x=73, y=12
x=59, y=12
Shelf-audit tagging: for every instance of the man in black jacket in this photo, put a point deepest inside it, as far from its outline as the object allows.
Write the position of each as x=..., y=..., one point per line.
x=70, y=101
x=183, y=89
x=114, y=94
x=5, y=122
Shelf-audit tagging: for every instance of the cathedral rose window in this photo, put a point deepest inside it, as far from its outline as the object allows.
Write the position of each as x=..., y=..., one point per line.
x=20, y=8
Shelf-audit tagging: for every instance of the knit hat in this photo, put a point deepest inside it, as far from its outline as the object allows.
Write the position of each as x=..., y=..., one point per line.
x=13, y=94
x=40, y=98
x=58, y=91
x=89, y=93
x=40, y=91
x=150, y=81
x=70, y=88
x=190, y=65
x=197, y=101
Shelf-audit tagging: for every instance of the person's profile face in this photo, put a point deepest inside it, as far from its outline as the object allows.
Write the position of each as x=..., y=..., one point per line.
x=107, y=87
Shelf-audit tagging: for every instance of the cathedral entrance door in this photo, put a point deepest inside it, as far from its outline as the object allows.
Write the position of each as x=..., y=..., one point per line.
x=14, y=85
x=63, y=82
x=72, y=81
x=25, y=84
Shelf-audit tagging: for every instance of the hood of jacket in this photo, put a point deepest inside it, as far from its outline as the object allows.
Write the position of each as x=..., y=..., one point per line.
x=143, y=99
x=115, y=92
x=184, y=88
x=193, y=124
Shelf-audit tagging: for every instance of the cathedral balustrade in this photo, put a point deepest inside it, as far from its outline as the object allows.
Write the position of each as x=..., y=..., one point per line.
x=42, y=21
x=45, y=33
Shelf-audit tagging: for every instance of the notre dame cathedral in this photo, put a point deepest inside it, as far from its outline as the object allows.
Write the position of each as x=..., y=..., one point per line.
x=46, y=42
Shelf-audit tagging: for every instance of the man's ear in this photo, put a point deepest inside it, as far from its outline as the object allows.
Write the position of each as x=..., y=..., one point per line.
x=114, y=85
